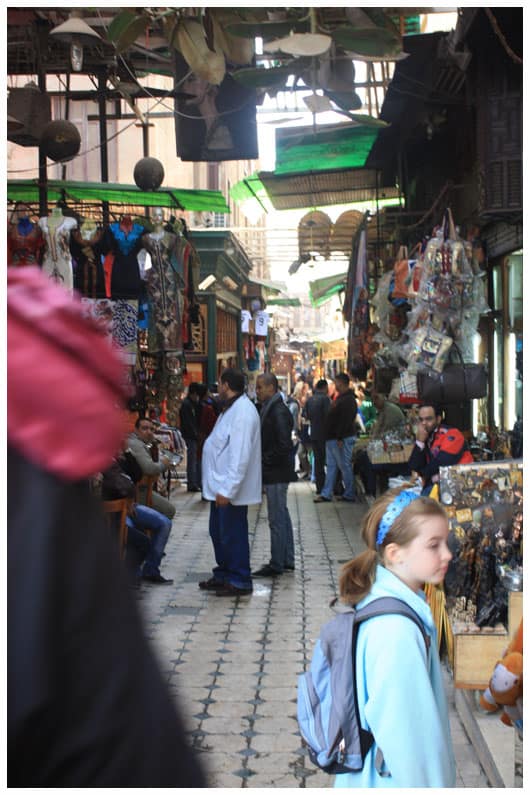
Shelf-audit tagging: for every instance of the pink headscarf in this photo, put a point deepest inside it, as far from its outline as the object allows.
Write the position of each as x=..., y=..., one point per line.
x=65, y=388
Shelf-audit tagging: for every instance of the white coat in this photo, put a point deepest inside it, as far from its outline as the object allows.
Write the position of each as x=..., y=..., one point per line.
x=231, y=456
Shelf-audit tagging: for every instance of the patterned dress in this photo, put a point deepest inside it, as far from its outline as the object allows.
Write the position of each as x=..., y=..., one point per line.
x=57, y=261
x=24, y=244
x=164, y=290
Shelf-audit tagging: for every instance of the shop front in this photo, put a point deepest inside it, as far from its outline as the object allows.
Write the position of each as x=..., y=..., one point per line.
x=223, y=273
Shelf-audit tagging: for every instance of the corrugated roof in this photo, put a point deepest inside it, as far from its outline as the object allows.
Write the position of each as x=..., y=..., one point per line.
x=317, y=189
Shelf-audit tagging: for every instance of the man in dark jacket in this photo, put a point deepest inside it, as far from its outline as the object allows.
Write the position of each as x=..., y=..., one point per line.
x=316, y=410
x=277, y=473
x=340, y=439
x=190, y=411
x=437, y=445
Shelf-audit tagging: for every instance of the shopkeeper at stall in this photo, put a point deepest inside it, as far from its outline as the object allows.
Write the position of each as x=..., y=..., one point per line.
x=437, y=445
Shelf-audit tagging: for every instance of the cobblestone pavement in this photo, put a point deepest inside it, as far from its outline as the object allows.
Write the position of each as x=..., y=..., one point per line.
x=232, y=664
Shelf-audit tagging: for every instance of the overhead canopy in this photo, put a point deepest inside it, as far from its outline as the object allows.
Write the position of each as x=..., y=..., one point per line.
x=27, y=190
x=283, y=302
x=321, y=290
x=331, y=146
x=313, y=188
x=270, y=286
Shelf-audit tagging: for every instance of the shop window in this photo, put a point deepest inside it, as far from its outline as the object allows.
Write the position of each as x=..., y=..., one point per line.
x=515, y=291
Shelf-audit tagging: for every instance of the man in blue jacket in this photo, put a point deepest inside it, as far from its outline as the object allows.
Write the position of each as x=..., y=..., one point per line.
x=277, y=472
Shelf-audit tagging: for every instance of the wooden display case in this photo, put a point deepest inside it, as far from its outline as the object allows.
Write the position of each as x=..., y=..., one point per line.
x=477, y=650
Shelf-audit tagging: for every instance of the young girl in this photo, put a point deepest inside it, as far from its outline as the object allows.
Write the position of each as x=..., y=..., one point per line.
x=399, y=685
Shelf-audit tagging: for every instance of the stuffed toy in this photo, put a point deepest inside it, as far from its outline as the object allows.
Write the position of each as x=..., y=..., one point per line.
x=506, y=684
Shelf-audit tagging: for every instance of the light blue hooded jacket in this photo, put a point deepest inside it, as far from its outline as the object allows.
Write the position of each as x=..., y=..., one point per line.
x=401, y=696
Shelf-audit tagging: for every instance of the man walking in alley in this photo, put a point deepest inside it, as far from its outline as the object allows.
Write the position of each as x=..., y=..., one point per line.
x=231, y=475
x=189, y=428
x=340, y=438
x=316, y=410
x=277, y=472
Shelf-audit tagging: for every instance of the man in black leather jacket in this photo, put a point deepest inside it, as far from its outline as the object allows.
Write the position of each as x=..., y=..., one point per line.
x=340, y=439
x=277, y=472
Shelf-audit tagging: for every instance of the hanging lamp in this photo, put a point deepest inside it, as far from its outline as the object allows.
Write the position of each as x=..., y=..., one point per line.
x=77, y=33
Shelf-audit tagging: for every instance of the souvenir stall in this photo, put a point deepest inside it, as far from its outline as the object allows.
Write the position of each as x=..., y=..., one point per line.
x=427, y=309
x=255, y=324
x=484, y=582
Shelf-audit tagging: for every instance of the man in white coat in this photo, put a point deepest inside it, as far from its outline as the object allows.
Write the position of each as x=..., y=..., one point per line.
x=231, y=480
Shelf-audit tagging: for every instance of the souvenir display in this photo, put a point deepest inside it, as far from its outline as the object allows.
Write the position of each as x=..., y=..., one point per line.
x=394, y=447
x=484, y=504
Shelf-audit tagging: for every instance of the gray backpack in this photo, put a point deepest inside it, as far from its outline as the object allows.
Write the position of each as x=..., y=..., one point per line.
x=327, y=710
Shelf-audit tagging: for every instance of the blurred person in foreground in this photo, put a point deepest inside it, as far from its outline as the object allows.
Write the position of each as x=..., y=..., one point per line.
x=87, y=705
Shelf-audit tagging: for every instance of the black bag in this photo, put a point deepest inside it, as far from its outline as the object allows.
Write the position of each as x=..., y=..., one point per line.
x=116, y=484
x=383, y=378
x=457, y=383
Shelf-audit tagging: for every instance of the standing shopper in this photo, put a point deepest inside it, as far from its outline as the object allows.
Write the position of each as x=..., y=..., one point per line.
x=189, y=427
x=340, y=439
x=277, y=473
x=316, y=410
x=231, y=470
x=406, y=537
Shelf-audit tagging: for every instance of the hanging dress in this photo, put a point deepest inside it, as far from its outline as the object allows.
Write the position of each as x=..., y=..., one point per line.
x=24, y=244
x=126, y=281
x=89, y=278
x=57, y=261
x=164, y=291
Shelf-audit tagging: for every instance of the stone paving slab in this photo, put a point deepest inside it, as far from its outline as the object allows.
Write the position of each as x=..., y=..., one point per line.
x=232, y=664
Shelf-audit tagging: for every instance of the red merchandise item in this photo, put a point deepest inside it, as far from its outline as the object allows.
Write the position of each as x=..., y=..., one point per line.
x=65, y=388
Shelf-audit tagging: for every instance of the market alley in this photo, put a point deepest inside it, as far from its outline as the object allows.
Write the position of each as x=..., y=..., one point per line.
x=232, y=664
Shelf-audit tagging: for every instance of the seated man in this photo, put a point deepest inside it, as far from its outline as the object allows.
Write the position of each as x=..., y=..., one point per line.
x=389, y=416
x=140, y=443
x=436, y=446
x=118, y=483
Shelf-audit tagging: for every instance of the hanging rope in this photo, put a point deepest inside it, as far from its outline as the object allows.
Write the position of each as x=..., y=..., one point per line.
x=498, y=32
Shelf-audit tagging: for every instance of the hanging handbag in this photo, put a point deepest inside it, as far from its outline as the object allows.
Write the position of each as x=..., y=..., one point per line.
x=456, y=383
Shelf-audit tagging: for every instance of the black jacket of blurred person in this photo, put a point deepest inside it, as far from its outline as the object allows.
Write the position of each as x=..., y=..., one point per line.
x=87, y=705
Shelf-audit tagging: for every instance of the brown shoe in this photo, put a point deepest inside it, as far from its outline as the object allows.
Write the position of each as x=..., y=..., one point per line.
x=227, y=589
x=210, y=585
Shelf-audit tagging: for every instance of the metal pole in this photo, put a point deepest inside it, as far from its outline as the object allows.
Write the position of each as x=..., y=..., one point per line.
x=104, y=155
x=43, y=171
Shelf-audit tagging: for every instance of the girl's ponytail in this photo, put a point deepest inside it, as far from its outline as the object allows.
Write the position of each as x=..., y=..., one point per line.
x=356, y=577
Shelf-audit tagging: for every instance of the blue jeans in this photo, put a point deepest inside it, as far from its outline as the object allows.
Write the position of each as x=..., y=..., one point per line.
x=281, y=527
x=193, y=470
x=229, y=534
x=339, y=458
x=146, y=518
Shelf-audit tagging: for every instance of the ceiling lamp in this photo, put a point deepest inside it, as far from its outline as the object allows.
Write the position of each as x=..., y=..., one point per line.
x=77, y=33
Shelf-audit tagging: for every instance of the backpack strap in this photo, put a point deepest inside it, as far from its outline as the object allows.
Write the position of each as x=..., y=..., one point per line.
x=383, y=606
x=386, y=605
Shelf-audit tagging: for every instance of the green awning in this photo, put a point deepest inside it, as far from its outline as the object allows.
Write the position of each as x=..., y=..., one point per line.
x=27, y=190
x=321, y=290
x=269, y=286
x=283, y=302
x=335, y=146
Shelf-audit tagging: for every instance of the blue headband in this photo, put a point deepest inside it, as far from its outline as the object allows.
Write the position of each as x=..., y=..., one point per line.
x=397, y=505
